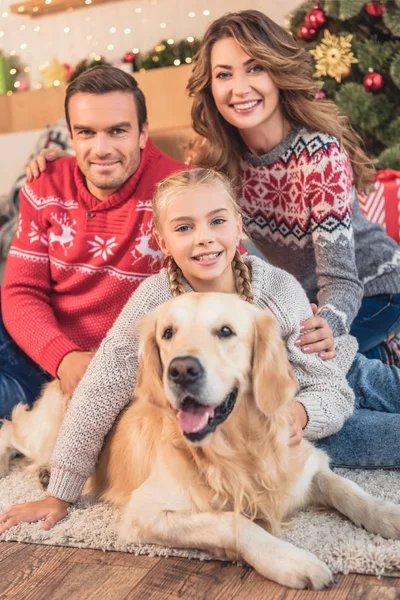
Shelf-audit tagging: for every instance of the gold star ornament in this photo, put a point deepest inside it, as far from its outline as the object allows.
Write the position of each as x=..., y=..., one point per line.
x=53, y=74
x=333, y=56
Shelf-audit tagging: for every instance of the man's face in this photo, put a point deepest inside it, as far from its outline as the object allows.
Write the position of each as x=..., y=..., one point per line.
x=106, y=139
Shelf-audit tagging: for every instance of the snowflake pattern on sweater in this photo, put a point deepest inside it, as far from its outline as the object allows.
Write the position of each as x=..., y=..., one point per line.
x=75, y=257
x=298, y=202
x=306, y=190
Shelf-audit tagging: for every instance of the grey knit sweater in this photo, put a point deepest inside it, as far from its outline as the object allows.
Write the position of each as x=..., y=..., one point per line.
x=110, y=379
x=302, y=211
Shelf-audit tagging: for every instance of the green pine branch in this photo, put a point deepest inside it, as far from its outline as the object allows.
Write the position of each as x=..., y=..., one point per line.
x=390, y=158
x=395, y=70
x=374, y=55
x=391, y=17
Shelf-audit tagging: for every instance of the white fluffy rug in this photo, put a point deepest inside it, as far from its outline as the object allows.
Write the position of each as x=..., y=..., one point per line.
x=344, y=547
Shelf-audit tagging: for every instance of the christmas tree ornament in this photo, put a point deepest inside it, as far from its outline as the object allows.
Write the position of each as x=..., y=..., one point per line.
x=373, y=82
x=68, y=70
x=54, y=74
x=129, y=57
x=333, y=55
x=374, y=9
x=346, y=72
x=320, y=95
x=304, y=33
x=315, y=19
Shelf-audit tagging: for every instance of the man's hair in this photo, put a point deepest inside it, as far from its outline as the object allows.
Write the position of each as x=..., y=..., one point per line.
x=104, y=79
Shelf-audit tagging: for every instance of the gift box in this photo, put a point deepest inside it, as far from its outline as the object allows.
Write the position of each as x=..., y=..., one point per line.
x=382, y=205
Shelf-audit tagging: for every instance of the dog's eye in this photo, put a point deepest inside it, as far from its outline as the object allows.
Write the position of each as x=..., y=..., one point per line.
x=168, y=333
x=225, y=332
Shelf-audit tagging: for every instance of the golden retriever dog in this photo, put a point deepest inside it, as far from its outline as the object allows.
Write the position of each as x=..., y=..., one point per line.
x=201, y=458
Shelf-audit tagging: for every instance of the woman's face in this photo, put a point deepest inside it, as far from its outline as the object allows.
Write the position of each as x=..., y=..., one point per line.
x=243, y=91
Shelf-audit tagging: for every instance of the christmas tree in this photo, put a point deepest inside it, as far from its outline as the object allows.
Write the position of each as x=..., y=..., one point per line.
x=355, y=48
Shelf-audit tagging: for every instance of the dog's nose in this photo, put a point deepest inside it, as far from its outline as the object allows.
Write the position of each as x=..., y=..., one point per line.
x=185, y=370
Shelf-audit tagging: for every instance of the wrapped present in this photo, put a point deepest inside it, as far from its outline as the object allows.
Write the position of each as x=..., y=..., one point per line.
x=382, y=205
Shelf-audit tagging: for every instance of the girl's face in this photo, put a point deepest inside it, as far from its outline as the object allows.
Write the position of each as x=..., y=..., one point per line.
x=243, y=91
x=200, y=230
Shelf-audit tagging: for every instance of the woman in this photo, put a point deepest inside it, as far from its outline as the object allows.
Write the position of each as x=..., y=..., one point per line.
x=299, y=165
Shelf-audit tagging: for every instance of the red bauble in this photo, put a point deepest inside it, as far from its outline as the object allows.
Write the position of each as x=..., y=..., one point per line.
x=315, y=19
x=68, y=70
x=129, y=57
x=374, y=9
x=305, y=33
x=373, y=82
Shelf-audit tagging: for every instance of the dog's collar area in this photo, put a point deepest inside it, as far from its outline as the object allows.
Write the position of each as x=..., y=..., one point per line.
x=221, y=413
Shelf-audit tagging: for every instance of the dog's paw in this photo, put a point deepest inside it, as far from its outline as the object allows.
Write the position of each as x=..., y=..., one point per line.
x=385, y=521
x=299, y=569
x=311, y=574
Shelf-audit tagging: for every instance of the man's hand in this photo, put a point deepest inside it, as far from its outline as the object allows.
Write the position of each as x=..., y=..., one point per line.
x=71, y=370
x=320, y=340
x=38, y=163
x=300, y=420
x=50, y=510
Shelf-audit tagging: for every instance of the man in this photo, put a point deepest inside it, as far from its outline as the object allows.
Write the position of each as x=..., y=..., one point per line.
x=84, y=238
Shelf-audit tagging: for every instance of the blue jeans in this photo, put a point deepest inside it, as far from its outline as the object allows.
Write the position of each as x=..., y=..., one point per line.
x=370, y=439
x=377, y=319
x=21, y=379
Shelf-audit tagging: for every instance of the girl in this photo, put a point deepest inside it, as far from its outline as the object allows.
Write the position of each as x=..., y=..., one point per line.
x=299, y=166
x=198, y=226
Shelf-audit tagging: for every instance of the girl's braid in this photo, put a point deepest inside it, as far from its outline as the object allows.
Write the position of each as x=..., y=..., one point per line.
x=242, y=278
x=175, y=278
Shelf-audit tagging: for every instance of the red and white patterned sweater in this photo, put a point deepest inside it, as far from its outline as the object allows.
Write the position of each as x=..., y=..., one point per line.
x=75, y=260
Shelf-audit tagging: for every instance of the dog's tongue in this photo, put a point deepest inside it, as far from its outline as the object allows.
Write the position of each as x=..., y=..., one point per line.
x=193, y=417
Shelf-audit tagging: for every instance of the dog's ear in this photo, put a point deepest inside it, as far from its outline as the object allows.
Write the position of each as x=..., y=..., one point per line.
x=149, y=381
x=273, y=381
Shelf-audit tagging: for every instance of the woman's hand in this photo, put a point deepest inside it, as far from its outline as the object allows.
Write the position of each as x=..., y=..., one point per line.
x=300, y=420
x=50, y=511
x=72, y=368
x=38, y=164
x=320, y=340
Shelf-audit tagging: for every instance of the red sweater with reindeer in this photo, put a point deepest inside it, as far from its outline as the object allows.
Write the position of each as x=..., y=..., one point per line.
x=75, y=260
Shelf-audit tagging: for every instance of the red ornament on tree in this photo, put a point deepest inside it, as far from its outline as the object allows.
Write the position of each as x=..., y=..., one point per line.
x=306, y=33
x=373, y=82
x=129, y=57
x=68, y=70
x=315, y=19
x=374, y=9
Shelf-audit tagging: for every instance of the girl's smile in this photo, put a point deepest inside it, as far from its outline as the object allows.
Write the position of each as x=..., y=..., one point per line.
x=207, y=259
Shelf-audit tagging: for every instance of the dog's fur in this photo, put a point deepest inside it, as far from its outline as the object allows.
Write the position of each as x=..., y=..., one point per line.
x=228, y=491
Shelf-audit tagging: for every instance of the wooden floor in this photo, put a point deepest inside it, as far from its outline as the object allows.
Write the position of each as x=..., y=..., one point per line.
x=33, y=572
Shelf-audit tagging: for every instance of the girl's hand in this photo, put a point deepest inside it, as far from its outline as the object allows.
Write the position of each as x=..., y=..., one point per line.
x=300, y=420
x=38, y=164
x=321, y=340
x=50, y=510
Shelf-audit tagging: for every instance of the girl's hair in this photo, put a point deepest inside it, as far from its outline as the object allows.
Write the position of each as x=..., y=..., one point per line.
x=179, y=183
x=289, y=66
